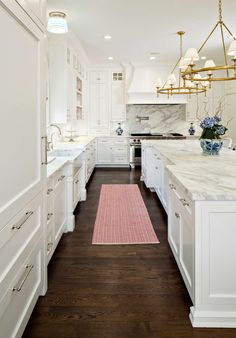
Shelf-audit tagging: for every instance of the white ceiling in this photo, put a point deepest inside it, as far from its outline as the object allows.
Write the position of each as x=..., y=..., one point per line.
x=141, y=27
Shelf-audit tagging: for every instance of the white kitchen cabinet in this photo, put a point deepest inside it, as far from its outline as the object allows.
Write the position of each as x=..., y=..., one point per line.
x=90, y=158
x=23, y=171
x=113, y=151
x=154, y=174
x=59, y=204
x=118, y=107
x=66, y=81
x=56, y=209
x=99, y=102
x=181, y=224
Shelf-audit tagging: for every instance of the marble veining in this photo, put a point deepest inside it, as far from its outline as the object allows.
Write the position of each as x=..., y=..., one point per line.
x=162, y=118
x=201, y=177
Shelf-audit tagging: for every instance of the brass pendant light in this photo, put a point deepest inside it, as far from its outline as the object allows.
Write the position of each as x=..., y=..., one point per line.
x=210, y=68
x=184, y=87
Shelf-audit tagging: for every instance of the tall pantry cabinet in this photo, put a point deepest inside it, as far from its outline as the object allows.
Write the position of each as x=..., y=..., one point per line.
x=23, y=170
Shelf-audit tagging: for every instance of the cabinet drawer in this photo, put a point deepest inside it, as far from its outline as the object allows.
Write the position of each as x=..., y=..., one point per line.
x=49, y=243
x=18, y=232
x=120, y=159
x=20, y=289
x=120, y=141
x=184, y=202
x=104, y=140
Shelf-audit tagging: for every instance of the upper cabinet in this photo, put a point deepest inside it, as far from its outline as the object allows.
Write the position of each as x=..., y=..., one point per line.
x=107, y=99
x=118, y=108
x=36, y=9
x=67, y=77
x=99, y=101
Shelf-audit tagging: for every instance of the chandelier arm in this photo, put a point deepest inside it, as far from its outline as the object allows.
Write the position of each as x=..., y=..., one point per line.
x=199, y=50
x=228, y=30
x=173, y=70
x=223, y=42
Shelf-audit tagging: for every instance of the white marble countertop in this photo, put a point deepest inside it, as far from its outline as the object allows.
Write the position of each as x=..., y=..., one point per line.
x=201, y=177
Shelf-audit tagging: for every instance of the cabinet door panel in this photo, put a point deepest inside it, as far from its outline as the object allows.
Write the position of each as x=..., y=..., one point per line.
x=21, y=111
x=60, y=209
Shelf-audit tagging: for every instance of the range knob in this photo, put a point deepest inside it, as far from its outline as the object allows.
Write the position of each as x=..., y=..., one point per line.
x=134, y=140
x=138, y=141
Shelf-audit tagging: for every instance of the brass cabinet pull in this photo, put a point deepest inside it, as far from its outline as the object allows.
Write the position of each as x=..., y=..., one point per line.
x=61, y=178
x=26, y=273
x=45, y=139
x=49, y=191
x=77, y=181
x=184, y=202
x=172, y=186
x=22, y=221
x=177, y=215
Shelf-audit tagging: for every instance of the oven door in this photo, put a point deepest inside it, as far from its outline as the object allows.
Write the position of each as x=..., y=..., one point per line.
x=135, y=154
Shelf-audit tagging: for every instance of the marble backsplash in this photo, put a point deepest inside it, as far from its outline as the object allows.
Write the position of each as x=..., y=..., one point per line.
x=161, y=118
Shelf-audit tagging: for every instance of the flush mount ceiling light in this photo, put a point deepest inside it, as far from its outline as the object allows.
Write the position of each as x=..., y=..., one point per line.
x=210, y=68
x=184, y=87
x=110, y=58
x=57, y=23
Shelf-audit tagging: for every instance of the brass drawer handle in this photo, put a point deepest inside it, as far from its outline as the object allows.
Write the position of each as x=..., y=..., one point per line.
x=172, y=186
x=177, y=215
x=184, y=202
x=49, y=191
x=22, y=221
x=27, y=271
x=61, y=178
x=49, y=216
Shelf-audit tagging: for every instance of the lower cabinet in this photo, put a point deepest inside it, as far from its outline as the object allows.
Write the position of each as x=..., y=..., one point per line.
x=181, y=223
x=112, y=151
x=56, y=209
x=154, y=174
x=21, y=268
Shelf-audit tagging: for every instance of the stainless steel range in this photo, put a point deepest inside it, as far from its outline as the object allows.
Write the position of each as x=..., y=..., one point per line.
x=135, y=144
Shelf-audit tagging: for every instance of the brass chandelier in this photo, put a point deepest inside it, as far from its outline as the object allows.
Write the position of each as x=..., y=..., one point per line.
x=184, y=86
x=210, y=68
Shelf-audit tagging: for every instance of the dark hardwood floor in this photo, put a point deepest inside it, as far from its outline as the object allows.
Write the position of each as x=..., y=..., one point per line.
x=119, y=291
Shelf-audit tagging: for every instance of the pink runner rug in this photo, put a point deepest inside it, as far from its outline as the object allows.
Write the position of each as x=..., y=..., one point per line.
x=122, y=217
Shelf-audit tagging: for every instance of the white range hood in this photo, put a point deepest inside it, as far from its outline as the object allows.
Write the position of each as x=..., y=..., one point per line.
x=140, y=85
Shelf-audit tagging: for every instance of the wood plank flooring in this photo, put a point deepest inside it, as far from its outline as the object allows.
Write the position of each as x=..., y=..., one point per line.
x=115, y=291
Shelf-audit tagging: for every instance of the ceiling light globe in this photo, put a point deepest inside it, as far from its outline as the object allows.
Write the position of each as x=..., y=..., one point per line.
x=57, y=23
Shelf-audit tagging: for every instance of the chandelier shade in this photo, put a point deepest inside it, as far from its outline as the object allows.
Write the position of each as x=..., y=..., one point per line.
x=174, y=86
x=210, y=68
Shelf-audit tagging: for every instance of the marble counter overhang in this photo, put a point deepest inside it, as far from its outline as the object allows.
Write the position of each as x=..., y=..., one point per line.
x=211, y=178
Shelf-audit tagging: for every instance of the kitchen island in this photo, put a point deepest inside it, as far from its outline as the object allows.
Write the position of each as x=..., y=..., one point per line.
x=199, y=195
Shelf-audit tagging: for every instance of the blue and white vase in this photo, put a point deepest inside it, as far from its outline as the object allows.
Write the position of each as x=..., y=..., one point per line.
x=192, y=130
x=119, y=130
x=211, y=147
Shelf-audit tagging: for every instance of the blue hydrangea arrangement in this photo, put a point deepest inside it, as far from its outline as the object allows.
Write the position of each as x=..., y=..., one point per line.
x=212, y=129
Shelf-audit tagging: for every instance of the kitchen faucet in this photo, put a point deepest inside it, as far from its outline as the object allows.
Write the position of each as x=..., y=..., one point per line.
x=50, y=143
